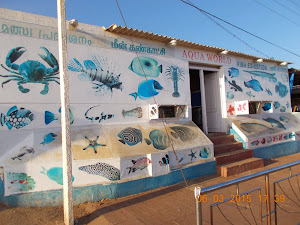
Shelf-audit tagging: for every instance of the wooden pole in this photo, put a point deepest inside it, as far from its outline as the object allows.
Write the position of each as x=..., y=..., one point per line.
x=65, y=114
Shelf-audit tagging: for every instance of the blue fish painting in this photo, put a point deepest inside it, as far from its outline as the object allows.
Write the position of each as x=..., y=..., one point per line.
x=159, y=139
x=269, y=92
x=204, y=153
x=276, y=105
x=130, y=136
x=254, y=127
x=267, y=106
x=284, y=119
x=233, y=72
x=250, y=94
x=281, y=89
x=146, y=91
x=16, y=118
x=263, y=74
x=49, y=117
x=275, y=122
x=48, y=138
x=282, y=109
x=55, y=174
x=254, y=84
x=287, y=104
x=230, y=95
x=149, y=66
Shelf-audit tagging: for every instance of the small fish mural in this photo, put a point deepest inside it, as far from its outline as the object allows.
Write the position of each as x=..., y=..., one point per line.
x=181, y=159
x=159, y=139
x=263, y=74
x=254, y=143
x=17, y=118
x=254, y=127
x=184, y=133
x=287, y=105
x=204, y=152
x=147, y=89
x=93, y=144
x=250, y=94
x=281, y=89
x=20, y=182
x=55, y=174
x=193, y=155
x=102, y=169
x=284, y=77
x=100, y=118
x=233, y=72
x=164, y=160
x=139, y=164
x=285, y=137
x=282, y=109
x=23, y=151
x=130, y=136
x=149, y=66
x=48, y=138
x=284, y=119
x=175, y=74
x=233, y=85
x=50, y=117
x=101, y=73
x=275, y=123
x=269, y=139
x=136, y=112
x=291, y=135
x=263, y=141
x=269, y=92
x=267, y=106
x=231, y=110
x=276, y=105
x=230, y=95
x=254, y=84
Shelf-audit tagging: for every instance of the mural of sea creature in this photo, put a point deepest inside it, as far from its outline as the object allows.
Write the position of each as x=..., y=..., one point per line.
x=231, y=110
x=102, y=169
x=102, y=76
x=130, y=136
x=93, y=144
x=184, y=133
x=267, y=106
x=282, y=109
x=276, y=105
x=164, y=160
x=147, y=89
x=254, y=84
x=263, y=74
x=291, y=135
x=233, y=85
x=253, y=143
x=23, y=151
x=269, y=92
x=175, y=74
x=263, y=141
x=250, y=94
x=139, y=164
x=136, y=112
x=281, y=89
x=204, y=152
x=97, y=118
x=49, y=117
x=269, y=139
x=20, y=182
x=233, y=72
x=55, y=174
x=287, y=104
x=149, y=66
x=230, y=95
x=284, y=119
x=284, y=77
x=254, y=127
x=285, y=137
x=16, y=118
x=193, y=155
x=48, y=138
x=159, y=139
x=180, y=160
x=275, y=122
x=31, y=71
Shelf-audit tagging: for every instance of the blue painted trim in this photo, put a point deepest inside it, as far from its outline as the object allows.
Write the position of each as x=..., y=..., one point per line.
x=277, y=150
x=100, y=191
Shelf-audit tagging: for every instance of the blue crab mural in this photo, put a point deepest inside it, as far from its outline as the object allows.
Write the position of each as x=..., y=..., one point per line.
x=31, y=71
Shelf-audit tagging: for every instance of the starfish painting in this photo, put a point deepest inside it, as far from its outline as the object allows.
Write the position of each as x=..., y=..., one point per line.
x=93, y=144
x=193, y=155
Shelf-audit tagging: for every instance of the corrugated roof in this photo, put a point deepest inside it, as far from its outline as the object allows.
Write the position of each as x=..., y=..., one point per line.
x=165, y=39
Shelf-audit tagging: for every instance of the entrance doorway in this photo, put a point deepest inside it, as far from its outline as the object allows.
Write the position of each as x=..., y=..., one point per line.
x=205, y=95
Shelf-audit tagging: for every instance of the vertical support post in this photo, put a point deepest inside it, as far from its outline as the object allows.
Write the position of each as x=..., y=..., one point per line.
x=211, y=215
x=267, y=185
x=291, y=171
x=198, y=211
x=65, y=114
x=275, y=203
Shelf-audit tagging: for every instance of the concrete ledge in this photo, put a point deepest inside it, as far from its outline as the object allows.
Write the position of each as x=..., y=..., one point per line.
x=98, y=192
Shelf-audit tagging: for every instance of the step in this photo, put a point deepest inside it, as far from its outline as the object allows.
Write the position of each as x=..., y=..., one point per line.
x=230, y=157
x=231, y=169
x=227, y=147
x=222, y=139
x=209, y=135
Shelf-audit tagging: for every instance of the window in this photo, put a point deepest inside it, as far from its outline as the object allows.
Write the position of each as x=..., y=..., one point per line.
x=172, y=111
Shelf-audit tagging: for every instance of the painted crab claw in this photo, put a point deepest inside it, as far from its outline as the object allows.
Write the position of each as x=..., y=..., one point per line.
x=50, y=59
x=13, y=55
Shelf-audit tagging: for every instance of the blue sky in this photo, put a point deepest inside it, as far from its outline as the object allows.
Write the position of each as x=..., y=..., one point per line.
x=176, y=19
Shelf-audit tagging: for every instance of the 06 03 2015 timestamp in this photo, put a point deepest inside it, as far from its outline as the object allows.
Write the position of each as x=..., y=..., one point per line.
x=238, y=198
